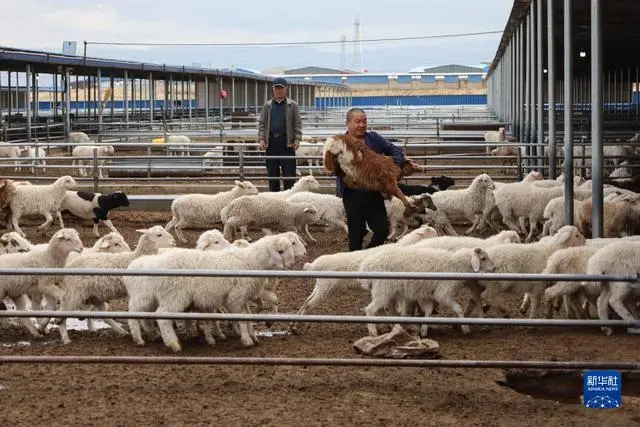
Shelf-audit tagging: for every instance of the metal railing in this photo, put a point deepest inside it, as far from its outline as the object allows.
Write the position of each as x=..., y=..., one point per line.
x=533, y=364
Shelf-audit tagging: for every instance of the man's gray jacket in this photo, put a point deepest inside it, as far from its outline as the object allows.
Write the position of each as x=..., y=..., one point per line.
x=293, y=123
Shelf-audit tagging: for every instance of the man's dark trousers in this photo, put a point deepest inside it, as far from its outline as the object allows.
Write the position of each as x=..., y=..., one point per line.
x=362, y=208
x=278, y=147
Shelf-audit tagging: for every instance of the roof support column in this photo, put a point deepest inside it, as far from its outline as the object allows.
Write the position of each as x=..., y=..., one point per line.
x=27, y=101
x=596, y=120
x=125, y=99
x=568, y=114
x=540, y=74
x=551, y=87
x=527, y=99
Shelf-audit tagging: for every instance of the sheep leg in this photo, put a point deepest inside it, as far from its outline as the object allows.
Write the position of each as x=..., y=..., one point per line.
x=476, y=222
x=59, y=216
x=103, y=306
x=603, y=307
x=21, y=304
x=169, y=336
x=526, y=303
x=318, y=295
x=109, y=225
x=14, y=223
x=476, y=298
x=134, y=324
x=372, y=310
x=616, y=301
x=453, y=305
x=45, y=225
x=306, y=229
x=427, y=307
x=171, y=224
x=178, y=231
x=533, y=225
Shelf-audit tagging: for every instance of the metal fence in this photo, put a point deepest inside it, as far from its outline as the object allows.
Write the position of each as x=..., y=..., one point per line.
x=533, y=364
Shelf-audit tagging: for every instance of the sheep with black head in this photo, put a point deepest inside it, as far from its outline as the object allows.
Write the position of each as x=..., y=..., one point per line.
x=95, y=206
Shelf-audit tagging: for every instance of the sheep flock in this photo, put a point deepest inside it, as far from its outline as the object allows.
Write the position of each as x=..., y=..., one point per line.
x=514, y=227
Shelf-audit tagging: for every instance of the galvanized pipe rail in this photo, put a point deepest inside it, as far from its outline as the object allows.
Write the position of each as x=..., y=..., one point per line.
x=287, y=361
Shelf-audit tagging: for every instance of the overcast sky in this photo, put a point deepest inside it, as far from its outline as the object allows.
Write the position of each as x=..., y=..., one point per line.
x=44, y=24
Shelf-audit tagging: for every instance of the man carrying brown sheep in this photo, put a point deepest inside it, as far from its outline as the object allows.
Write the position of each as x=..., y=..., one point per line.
x=280, y=132
x=366, y=207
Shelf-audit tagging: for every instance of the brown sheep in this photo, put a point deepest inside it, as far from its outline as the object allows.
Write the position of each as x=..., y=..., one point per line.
x=7, y=191
x=620, y=216
x=365, y=169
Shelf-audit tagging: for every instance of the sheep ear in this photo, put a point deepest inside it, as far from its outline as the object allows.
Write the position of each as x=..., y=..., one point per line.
x=142, y=230
x=475, y=262
x=563, y=237
x=308, y=210
x=104, y=244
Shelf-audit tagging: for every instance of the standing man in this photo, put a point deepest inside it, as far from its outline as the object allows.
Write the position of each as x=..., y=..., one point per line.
x=366, y=207
x=280, y=132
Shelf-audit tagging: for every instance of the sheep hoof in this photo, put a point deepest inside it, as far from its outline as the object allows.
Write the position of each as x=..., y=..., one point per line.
x=465, y=329
x=66, y=341
x=607, y=331
x=175, y=347
x=247, y=342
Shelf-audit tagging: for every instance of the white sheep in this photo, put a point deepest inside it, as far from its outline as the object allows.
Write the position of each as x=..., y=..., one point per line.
x=453, y=243
x=330, y=208
x=526, y=201
x=94, y=206
x=37, y=155
x=203, y=210
x=267, y=212
x=306, y=183
x=78, y=137
x=112, y=242
x=98, y=290
x=569, y=261
x=213, y=157
x=495, y=136
x=12, y=242
x=55, y=255
x=439, y=221
x=518, y=258
x=554, y=211
x=206, y=294
x=387, y=293
x=138, y=286
x=42, y=200
x=11, y=151
x=178, y=142
x=616, y=259
x=87, y=151
x=310, y=147
x=467, y=203
x=350, y=261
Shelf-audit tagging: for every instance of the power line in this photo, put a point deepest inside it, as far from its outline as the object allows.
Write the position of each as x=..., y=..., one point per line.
x=305, y=43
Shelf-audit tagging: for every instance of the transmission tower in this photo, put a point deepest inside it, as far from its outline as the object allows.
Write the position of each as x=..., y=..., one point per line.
x=357, y=46
x=343, y=52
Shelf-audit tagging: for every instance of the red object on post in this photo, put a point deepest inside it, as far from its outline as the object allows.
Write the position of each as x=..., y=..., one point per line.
x=223, y=94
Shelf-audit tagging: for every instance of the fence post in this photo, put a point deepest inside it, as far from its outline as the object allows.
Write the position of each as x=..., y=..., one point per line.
x=95, y=169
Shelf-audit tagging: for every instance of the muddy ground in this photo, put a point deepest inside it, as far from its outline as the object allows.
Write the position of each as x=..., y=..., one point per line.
x=125, y=395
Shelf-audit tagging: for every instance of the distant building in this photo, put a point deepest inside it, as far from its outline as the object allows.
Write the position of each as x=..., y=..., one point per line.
x=311, y=71
x=448, y=69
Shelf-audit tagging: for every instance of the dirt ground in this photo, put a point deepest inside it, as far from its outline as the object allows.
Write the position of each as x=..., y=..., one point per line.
x=124, y=395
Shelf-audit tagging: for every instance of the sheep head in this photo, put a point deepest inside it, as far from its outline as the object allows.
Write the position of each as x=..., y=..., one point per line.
x=480, y=261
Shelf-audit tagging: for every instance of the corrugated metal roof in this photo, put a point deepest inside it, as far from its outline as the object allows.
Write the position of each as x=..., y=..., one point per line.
x=47, y=62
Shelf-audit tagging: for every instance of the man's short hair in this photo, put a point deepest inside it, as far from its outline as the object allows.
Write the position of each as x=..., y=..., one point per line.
x=352, y=111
